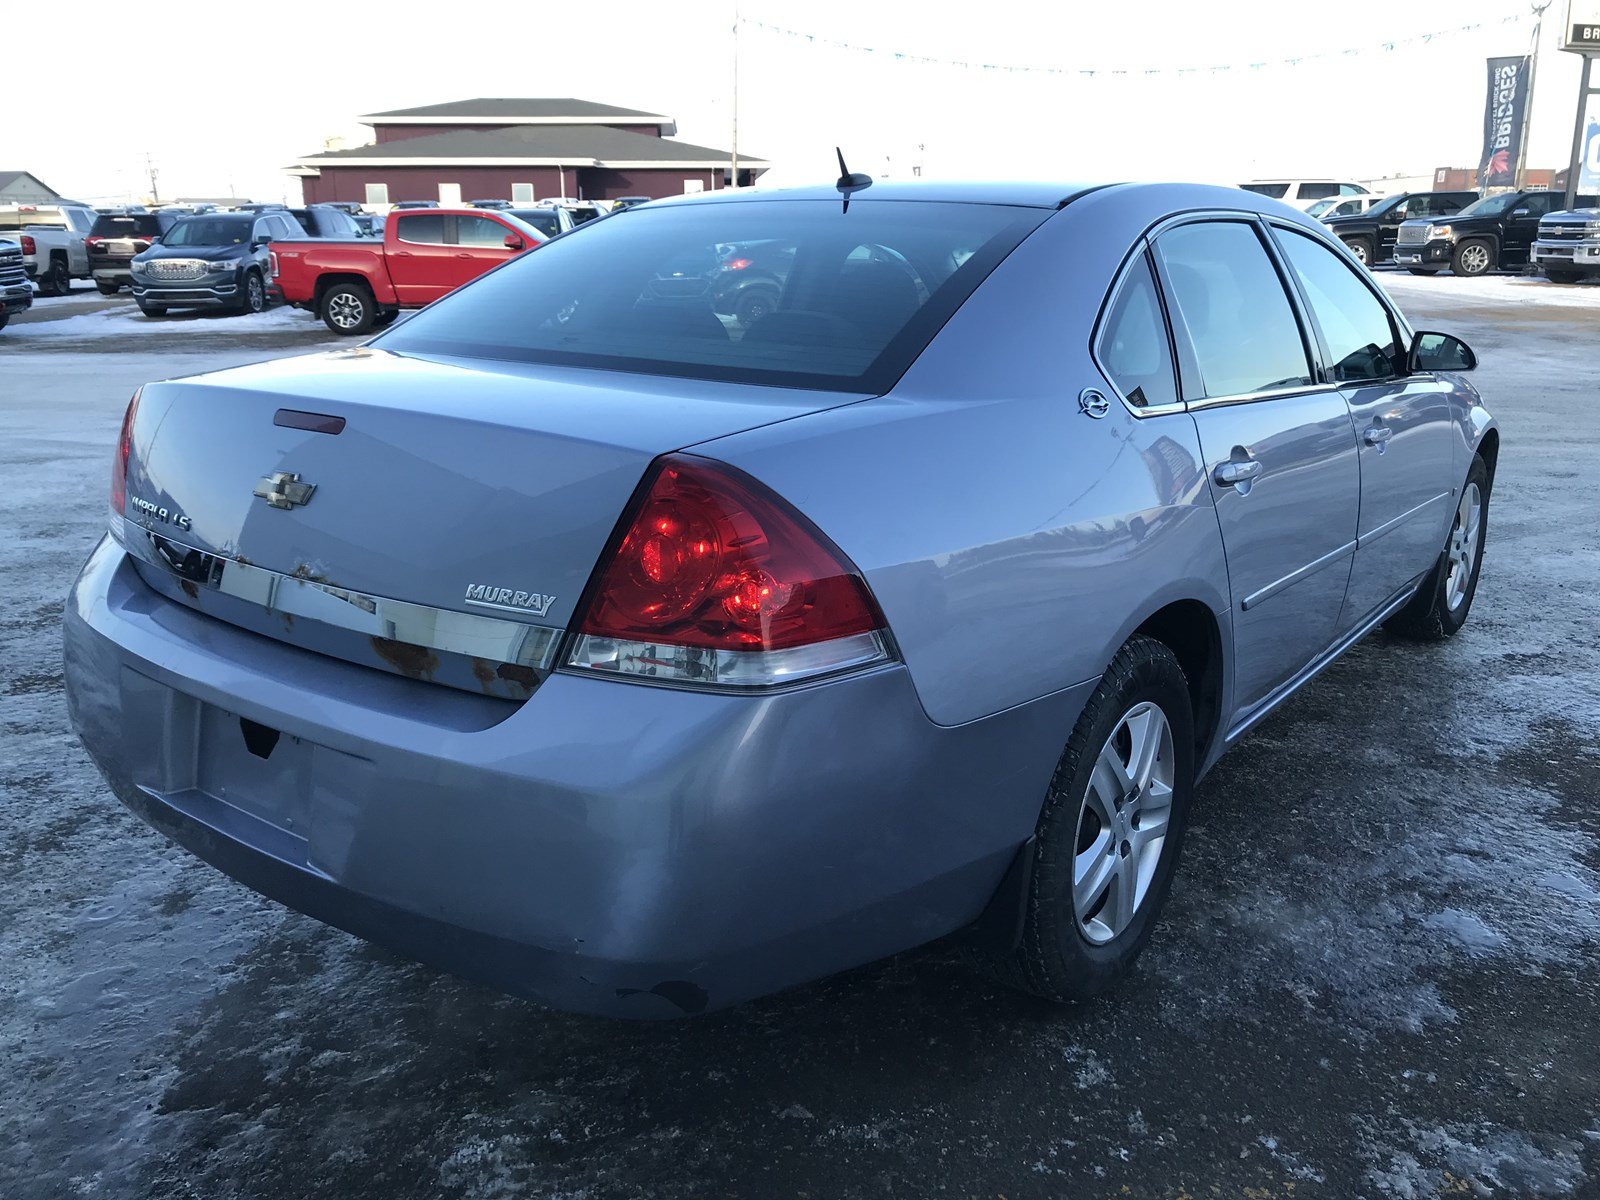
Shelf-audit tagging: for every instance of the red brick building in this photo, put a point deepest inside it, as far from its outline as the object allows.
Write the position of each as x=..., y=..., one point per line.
x=518, y=150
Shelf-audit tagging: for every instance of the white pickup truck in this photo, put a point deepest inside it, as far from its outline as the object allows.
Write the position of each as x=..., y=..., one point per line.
x=51, y=236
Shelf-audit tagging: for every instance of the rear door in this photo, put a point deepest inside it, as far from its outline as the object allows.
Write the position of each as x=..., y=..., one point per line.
x=1280, y=454
x=1401, y=423
x=421, y=262
x=1522, y=226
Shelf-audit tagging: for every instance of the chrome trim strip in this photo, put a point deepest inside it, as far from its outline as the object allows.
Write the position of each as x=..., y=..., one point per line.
x=1315, y=667
x=442, y=629
x=1295, y=576
x=1389, y=526
x=1306, y=389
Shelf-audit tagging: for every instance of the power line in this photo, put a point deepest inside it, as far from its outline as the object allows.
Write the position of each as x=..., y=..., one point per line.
x=1421, y=39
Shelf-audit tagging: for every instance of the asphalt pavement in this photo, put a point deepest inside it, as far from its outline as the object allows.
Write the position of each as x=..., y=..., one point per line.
x=1377, y=976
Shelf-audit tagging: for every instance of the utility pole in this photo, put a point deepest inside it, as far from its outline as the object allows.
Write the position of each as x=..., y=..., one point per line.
x=150, y=169
x=733, y=154
x=1520, y=177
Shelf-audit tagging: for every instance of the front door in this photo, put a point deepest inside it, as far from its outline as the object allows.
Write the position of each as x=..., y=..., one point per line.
x=421, y=263
x=480, y=244
x=1401, y=424
x=1280, y=453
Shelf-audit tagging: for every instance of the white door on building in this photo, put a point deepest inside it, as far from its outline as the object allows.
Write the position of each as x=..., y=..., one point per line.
x=522, y=193
x=449, y=193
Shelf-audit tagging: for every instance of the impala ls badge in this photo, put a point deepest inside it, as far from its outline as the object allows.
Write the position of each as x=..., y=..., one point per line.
x=484, y=596
x=283, y=489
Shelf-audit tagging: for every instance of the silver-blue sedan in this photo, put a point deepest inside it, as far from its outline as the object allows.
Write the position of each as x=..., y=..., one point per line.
x=643, y=653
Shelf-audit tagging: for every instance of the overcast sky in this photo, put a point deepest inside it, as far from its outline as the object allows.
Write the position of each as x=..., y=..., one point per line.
x=281, y=89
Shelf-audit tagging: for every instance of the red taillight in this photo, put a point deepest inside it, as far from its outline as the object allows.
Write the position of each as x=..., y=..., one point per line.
x=737, y=264
x=93, y=241
x=29, y=246
x=714, y=579
x=119, y=464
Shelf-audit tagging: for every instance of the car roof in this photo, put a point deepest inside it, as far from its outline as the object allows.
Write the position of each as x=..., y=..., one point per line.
x=1025, y=194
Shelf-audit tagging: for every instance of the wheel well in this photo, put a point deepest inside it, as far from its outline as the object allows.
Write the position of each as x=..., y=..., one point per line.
x=1489, y=451
x=325, y=282
x=1189, y=629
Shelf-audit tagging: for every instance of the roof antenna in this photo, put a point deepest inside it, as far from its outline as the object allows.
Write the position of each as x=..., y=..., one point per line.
x=849, y=182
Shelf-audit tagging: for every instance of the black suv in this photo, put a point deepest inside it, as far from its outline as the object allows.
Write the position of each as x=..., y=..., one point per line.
x=1497, y=231
x=218, y=260
x=116, y=238
x=1370, y=235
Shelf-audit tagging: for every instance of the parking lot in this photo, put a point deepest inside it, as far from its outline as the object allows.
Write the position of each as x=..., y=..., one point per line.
x=1376, y=975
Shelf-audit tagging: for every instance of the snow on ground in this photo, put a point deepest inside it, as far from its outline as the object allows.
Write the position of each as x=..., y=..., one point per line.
x=127, y=321
x=1491, y=289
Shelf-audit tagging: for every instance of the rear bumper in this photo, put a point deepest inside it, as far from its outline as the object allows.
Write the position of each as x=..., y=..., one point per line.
x=121, y=275
x=605, y=847
x=15, y=298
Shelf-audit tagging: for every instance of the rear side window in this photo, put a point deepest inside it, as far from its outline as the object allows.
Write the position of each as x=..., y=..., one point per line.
x=1234, y=309
x=850, y=297
x=1133, y=345
x=1361, y=339
x=1318, y=191
x=425, y=228
x=142, y=225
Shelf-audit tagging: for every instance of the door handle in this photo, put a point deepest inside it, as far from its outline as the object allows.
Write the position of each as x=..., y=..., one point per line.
x=1377, y=435
x=463, y=254
x=402, y=254
x=1236, y=472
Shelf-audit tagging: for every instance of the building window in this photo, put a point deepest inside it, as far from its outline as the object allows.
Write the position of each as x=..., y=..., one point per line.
x=691, y=186
x=449, y=193
x=377, y=193
x=522, y=193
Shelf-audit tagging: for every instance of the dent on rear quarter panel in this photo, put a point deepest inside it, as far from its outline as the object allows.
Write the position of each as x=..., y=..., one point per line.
x=1013, y=542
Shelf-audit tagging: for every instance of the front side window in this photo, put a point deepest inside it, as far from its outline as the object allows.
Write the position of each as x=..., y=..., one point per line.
x=480, y=231
x=1234, y=309
x=1361, y=339
x=1540, y=205
x=1133, y=346
x=425, y=229
x=850, y=297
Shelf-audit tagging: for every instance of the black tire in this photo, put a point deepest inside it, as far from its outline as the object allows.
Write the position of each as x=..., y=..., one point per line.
x=252, y=294
x=1057, y=959
x=1430, y=616
x=348, y=309
x=753, y=304
x=1423, y=270
x=107, y=289
x=1557, y=275
x=1473, y=257
x=5, y=317
x=58, y=280
x=386, y=317
x=1363, y=249
x=153, y=310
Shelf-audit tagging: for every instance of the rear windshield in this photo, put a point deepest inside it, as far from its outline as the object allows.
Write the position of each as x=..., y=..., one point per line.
x=131, y=225
x=52, y=218
x=787, y=292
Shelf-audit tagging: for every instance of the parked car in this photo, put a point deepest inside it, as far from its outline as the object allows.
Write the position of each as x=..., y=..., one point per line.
x=489, y=204
x=52, y=240
x=1341, y=206
x=326, y=221
x=219, y=260
x=417, y=204
x=623, y=202
x=1371, y=237
x=355, y=285
x=581, y=210
x=369, y=224
x=577, y=643
x=1496, y=232
x=116, y=237
x=16, y=293
x=1302, y=193
x=548, y=219
x=742, y=280
x=1568, y=246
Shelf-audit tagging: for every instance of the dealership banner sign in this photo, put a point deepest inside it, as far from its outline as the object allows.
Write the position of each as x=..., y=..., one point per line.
x=1502, y=121
x=1589, y=151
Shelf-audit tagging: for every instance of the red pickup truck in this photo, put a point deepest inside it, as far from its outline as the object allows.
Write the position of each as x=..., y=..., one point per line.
x=354, y=285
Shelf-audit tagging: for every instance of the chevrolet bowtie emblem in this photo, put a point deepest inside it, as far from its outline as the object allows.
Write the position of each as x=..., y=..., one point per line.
x=282, y=489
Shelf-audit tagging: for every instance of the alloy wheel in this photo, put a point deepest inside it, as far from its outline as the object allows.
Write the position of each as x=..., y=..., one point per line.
x=1463, y=551
x=1475, y=259
x=345, y=310
x=1122, y=823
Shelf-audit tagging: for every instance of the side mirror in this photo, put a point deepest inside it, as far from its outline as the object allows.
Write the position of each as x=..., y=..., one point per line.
x=1520, y=212
x=514, y=241
x=1440, y=352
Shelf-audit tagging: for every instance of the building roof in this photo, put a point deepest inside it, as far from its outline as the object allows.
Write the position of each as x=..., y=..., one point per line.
x=7, y=178
x=511, y=110
x=533, y=145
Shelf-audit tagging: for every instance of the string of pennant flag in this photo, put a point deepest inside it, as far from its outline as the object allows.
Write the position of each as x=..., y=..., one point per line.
x=1421, y=39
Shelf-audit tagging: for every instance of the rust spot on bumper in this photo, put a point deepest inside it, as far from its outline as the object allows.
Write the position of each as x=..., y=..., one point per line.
x=414, y=662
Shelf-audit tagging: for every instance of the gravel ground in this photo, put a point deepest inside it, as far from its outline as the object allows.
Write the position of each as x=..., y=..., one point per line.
x=1376, y=977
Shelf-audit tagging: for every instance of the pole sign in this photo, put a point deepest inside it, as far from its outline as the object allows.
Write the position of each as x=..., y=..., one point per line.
x=1502, y=121
x=1582, y=29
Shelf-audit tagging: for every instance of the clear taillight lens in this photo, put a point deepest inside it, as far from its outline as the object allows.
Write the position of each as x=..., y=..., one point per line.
x=714, y=580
